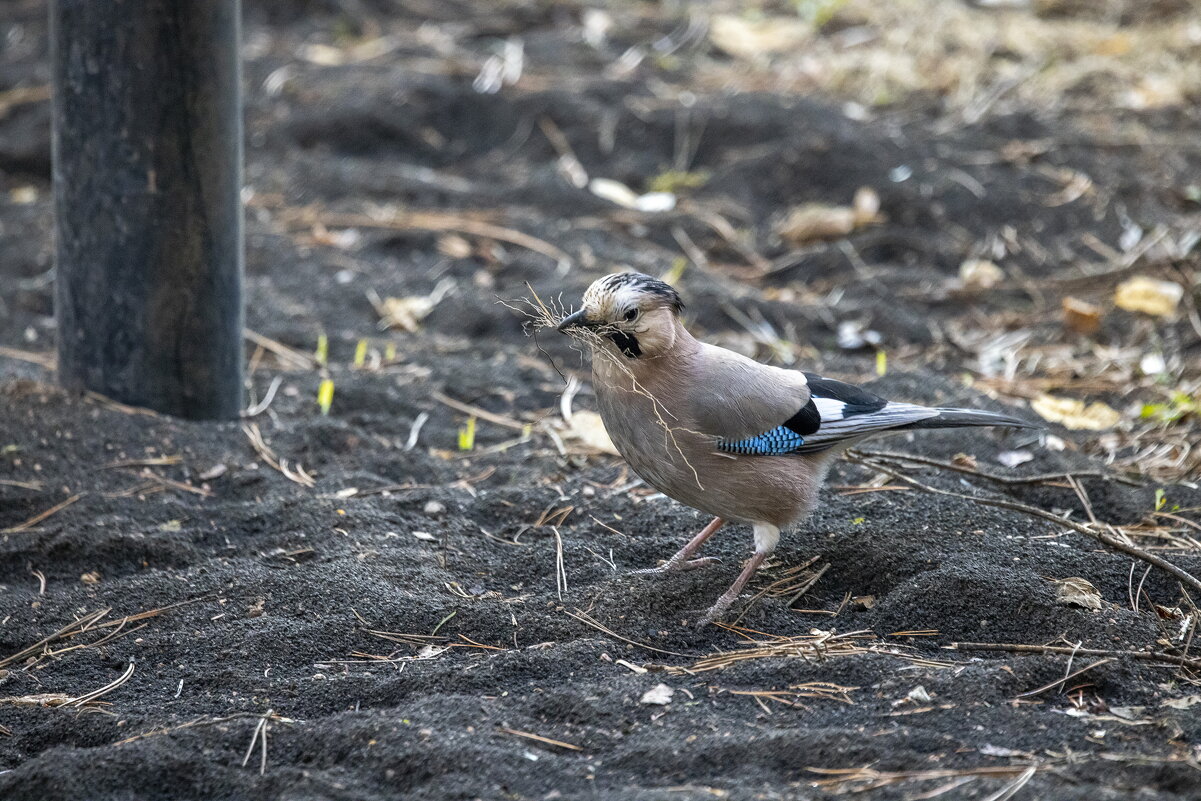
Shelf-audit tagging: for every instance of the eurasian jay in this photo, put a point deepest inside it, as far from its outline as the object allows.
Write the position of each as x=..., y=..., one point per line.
x=742, y=441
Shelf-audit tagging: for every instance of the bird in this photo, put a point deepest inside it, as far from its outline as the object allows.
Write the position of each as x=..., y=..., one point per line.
x=739, y=440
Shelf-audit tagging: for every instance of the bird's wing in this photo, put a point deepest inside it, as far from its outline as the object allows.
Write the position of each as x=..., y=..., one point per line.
x=832, y=413
x=732, y=398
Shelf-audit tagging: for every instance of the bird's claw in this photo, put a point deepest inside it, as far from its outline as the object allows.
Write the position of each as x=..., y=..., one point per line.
x=677, y=567
x=715, y=613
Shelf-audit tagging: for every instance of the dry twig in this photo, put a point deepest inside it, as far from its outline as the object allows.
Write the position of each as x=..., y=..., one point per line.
x=38, y=518
x=539, y=738
x=296, y=474
x=1142, y=656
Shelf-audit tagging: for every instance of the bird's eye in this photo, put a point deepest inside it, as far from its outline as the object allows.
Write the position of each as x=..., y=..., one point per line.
x=631, y=315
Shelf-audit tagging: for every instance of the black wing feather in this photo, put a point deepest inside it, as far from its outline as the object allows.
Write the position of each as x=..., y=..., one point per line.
x=857, y=399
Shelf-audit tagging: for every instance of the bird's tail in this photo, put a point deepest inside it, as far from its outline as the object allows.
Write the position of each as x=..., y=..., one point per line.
x=960, y=418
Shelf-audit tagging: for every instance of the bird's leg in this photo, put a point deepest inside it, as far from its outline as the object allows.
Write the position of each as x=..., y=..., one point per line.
x=731, y=595
x=766, y=537
x=682, y=560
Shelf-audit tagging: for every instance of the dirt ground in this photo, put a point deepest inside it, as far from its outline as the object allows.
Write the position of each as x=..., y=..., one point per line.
x=391, y=601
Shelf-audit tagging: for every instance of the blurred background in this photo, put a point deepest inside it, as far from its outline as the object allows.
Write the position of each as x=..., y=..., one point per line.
x=863, y=187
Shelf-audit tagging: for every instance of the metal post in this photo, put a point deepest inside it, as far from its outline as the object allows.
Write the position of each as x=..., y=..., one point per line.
x=147, y=183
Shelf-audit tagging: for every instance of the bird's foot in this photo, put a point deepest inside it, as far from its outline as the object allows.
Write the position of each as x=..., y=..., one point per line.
x=727, y=599
x=682, y=566
x=716, y=612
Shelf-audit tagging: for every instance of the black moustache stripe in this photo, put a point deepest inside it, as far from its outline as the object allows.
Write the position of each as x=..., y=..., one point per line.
x=626, y=343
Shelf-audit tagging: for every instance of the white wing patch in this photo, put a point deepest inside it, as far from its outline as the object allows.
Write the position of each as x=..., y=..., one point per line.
x=829, y=409
x=835, y=427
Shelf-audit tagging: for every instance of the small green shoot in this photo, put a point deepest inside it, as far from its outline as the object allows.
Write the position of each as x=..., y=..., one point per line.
x=1181, y=405
x=858, y=521
x=676, y=271
x=467, y=435
x=1161, y=498
x=360, y=353
x=321, y=355
x=325, y=395
x=390, y=352
x=881, y=363
x=674, y=181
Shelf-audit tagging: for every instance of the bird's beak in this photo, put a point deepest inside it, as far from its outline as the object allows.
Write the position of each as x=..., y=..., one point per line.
x=574, y=320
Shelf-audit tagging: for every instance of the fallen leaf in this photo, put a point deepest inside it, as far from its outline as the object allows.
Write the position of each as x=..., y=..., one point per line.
x=431, y=651
x=919, y=695
x=813, y=222
x=216, y=471
x=980, y=274
x=588, y=429
x=1000, y=751
x=407, y=313
x=866, y=206
x=454, y=246
x=1155, y=91
x=613, y=191
x=1081, y=316
x=852, y=335
x=346, y=239
x=1128, y=713
x=424, y=536
x=620, y=194
x=964, y=460
x=1149, y=296
x=1183, y=703
x=1077, y=591
x=659, y=695
x=91, y=577
x=1073, y=414
x=752, y=39
x=1014, y=458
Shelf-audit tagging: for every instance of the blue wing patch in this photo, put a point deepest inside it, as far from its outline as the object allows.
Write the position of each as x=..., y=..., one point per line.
x=776, y=442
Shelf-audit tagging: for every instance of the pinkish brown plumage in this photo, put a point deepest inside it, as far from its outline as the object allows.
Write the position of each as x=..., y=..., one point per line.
x=743, y=441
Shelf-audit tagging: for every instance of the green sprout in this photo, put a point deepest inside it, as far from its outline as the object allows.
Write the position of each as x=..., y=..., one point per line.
x=321, y=355
x=467, y=435
x=1181, y=405
x=676, y=271
x=881, y=363
x=360, y=353
x=325, y=395
x=674, y=181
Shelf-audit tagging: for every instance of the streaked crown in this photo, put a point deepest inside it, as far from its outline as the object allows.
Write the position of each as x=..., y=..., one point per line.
x=610, y=296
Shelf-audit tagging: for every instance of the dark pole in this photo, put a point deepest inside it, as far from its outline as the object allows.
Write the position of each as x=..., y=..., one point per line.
x=147, y=182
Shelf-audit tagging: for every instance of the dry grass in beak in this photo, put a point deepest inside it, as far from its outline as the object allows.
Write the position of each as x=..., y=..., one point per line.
x=539, y=315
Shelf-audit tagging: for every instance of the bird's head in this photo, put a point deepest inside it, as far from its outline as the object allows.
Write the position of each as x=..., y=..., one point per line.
x=635, y=312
